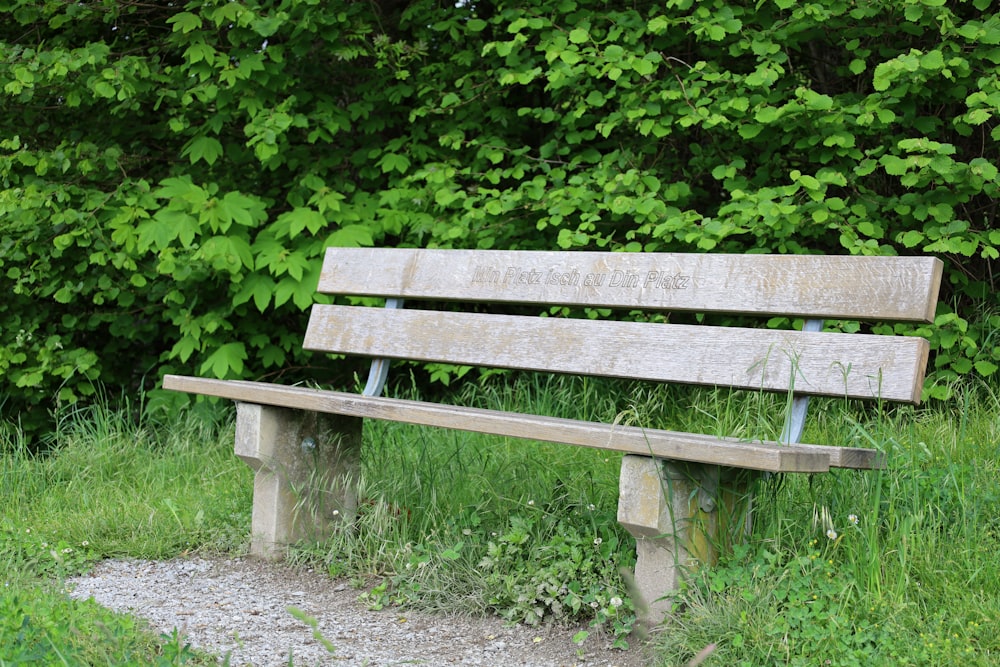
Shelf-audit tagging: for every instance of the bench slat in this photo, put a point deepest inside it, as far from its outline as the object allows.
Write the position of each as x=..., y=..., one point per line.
x=830, y=364
x=831, y=287
x=628, y=439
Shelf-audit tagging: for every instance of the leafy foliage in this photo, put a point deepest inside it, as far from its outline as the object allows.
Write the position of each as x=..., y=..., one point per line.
x=170, y=173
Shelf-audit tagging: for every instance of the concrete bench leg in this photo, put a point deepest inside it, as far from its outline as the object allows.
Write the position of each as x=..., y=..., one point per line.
x=306, y=467
x=679, y=514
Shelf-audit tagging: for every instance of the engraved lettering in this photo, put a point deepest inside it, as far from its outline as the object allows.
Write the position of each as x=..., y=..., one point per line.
x=516, y=276
x=664, y=280
x=625, y=279
x=486, y=274
x=568, y=279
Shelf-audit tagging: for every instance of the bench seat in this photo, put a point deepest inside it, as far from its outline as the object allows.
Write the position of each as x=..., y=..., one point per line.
x=695, y=447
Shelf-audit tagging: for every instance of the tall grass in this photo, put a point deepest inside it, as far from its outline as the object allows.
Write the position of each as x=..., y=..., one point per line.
x=887, y=567
x=846, y=568
x=107, y=485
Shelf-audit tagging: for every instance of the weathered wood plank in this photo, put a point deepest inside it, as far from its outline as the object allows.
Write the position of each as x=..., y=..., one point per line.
x=629, y=439
x=831, y=287
x=830, y=364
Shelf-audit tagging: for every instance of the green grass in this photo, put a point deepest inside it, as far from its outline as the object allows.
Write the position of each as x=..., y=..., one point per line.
x=847, y=568
x=107, y=487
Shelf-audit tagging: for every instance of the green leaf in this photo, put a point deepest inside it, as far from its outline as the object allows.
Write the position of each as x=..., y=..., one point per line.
x=985, y=368
x=394, y=162
x=257, y=287
x=351, y=236
x=912, y=238
x=226, y=361
x=185, y=22
x=208, y=149
x=240, y=208
x=658, y=25
x=266, y=26
x=200, y=51
x=932, y=60
x=301, y=218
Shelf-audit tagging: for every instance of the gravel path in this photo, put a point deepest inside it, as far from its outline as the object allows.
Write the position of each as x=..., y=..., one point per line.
x=240, y=607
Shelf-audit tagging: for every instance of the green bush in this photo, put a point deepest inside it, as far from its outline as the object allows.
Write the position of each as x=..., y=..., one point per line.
x=170, y=174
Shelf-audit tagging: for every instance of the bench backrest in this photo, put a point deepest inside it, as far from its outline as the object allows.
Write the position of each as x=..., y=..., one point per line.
x=877, y=289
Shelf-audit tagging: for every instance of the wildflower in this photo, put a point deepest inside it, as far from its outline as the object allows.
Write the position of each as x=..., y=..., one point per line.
x=831, y=534
x=597, y=541
x=531, y=502
x=591, y=507
x=616, y=602
x=853, y=518
x=466, y=531
x=67, y=550
x=85, y=543
x=336, y=512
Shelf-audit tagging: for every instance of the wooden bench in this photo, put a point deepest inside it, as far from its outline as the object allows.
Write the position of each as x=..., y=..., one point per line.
x=674, y=486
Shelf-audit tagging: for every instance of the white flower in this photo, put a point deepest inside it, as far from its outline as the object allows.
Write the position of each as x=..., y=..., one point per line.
x=831, y=534
x=597, y=542
x=531, y=502
x=616, y=602
x=853, y=518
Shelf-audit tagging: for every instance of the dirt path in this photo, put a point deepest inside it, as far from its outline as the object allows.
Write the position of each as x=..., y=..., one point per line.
x=240, y=607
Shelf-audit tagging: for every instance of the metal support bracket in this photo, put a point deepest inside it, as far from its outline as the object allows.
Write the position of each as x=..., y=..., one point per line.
x=379, y=371
x=707, y=478
x=795, y=422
